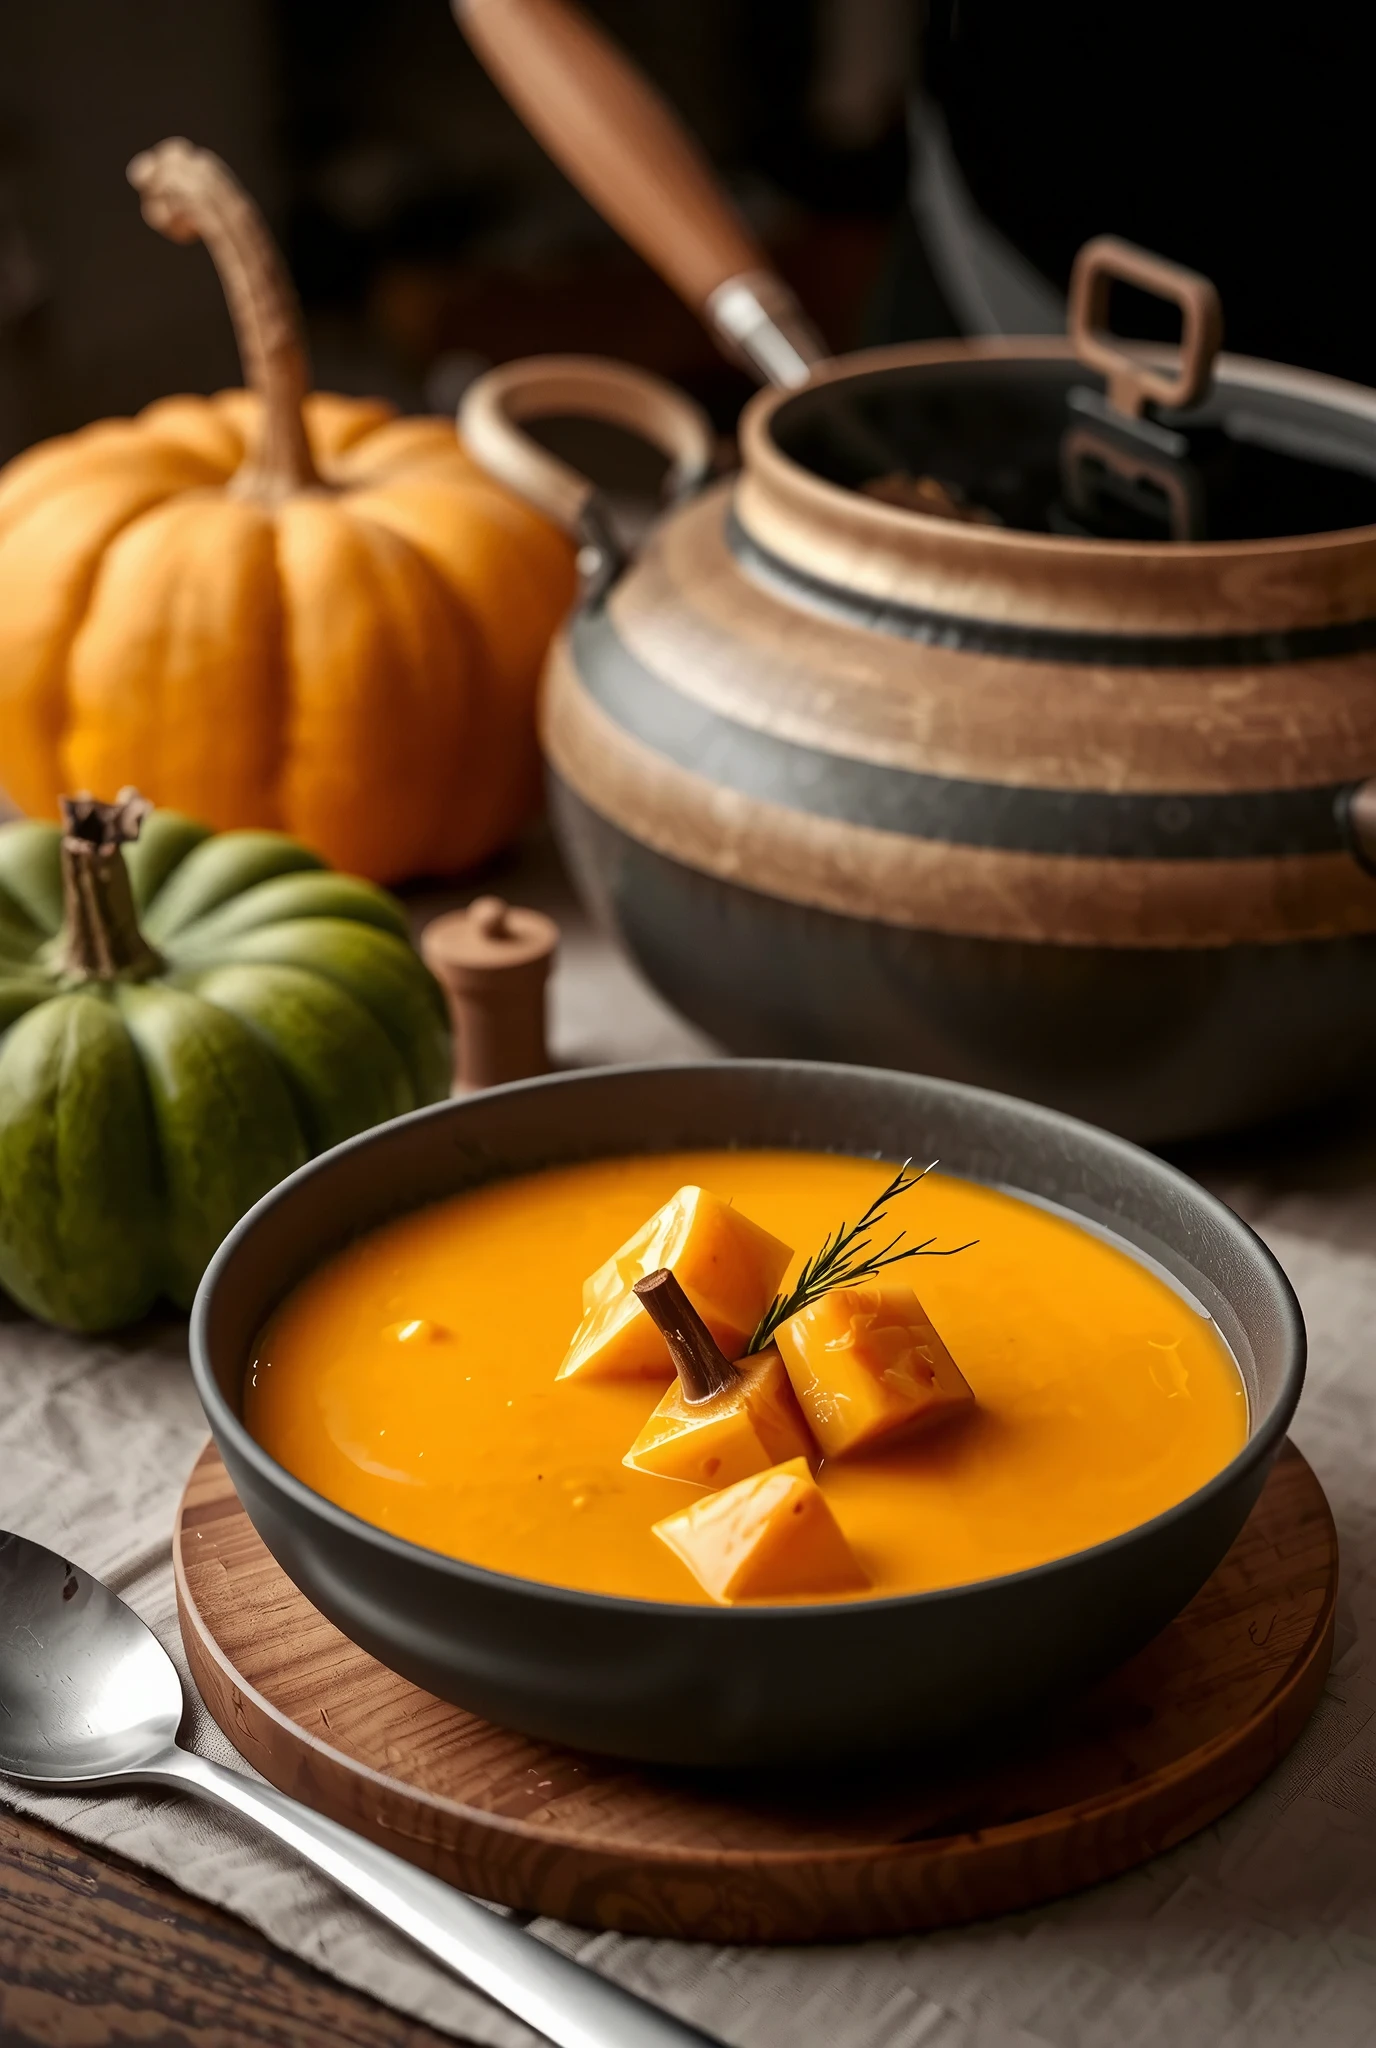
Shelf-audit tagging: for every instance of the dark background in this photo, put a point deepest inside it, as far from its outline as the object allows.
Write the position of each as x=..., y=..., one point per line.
x=1231, y=135
x=429, y=235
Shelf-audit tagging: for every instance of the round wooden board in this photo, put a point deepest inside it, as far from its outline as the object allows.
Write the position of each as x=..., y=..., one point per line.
x=1157, y=1751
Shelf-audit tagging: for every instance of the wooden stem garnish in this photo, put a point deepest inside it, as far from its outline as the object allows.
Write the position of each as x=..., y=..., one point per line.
x=101, y=940
x=703, y=1367
x=190, y=196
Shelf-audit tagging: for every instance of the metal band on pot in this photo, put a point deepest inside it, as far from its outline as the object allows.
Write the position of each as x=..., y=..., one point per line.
x=832, y=833
x=1082, y=823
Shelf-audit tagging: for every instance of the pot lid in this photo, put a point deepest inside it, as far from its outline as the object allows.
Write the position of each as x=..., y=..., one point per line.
x=1110, y=443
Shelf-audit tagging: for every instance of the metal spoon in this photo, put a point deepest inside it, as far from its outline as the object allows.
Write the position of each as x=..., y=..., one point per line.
x=89, y=1698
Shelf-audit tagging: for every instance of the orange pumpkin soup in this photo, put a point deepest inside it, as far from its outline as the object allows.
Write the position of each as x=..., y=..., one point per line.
x=412, y=1380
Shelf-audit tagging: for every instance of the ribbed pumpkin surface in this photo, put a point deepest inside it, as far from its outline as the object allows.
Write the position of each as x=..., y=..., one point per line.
x=353, y=664
x=140, y=1117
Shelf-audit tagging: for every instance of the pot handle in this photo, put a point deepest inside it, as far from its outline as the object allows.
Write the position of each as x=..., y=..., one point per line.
x=628, y=153
x=1132, y=382
x=493, y=408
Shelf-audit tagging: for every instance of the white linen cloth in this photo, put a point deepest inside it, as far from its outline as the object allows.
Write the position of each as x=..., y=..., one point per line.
x=1258, y=1933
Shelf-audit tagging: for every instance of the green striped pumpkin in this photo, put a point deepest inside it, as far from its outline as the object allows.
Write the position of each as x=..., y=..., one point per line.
x=185, y=1018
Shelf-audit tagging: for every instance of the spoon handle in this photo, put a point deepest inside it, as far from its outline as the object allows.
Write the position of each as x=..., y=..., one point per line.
x=560, y=1998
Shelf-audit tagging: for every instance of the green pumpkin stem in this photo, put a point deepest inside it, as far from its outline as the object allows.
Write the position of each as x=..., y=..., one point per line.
x=101, y=940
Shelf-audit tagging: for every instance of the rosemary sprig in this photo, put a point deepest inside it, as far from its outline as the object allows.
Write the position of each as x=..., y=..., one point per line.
x=848, y=1256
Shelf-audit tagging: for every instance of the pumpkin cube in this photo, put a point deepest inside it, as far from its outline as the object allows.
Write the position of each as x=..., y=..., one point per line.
x=867, y=1365
x=728, y=1267
x=746, y=1428
x=768, y=1537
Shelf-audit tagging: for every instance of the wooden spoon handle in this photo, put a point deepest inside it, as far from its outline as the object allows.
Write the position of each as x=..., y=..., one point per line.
x=628, y=153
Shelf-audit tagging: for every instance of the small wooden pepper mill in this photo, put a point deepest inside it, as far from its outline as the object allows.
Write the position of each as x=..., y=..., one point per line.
x=493, y=960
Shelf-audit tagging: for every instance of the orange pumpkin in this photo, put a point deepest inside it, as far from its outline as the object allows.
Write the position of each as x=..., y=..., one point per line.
x=274, y=608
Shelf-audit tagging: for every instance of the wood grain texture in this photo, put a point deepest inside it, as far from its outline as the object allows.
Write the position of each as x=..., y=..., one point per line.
x=95, y=1952
x=1156, y=1752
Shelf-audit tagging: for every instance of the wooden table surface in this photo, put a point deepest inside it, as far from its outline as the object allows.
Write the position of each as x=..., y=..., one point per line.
x=93, y=1951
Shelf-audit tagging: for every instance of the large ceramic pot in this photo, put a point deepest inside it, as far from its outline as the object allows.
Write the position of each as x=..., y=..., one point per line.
x=1007, y=717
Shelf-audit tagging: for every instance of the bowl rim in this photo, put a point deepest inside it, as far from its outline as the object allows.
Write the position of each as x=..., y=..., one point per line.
x=1260, y=1446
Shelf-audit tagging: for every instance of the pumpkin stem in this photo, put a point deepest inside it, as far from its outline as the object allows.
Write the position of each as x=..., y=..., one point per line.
x=190, y=196
x=101, y=940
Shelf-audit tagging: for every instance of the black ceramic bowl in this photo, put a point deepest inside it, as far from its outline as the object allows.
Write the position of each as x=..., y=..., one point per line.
x=748, y=1685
